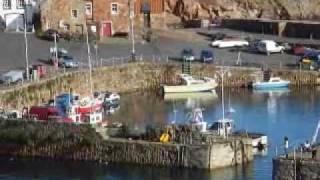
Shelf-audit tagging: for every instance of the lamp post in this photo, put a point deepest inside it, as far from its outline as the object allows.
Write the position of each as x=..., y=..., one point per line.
x=26, y=43
x=131, y=17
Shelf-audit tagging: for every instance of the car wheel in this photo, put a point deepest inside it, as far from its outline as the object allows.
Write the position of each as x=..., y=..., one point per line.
x=281, y=51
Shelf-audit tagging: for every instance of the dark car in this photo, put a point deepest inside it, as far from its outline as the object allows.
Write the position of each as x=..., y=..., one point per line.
x=187, y=55
x=206, y=56
x=49, y=35
x=68, y=61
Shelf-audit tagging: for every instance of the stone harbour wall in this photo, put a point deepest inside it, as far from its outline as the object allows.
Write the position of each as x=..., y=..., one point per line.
x=136, y=77
x=289, y=169
x=21, y=138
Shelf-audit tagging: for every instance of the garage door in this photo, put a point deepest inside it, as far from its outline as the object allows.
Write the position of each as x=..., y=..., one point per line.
x=14, y=21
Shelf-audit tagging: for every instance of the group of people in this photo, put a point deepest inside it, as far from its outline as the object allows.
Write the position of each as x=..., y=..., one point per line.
x=306, y=147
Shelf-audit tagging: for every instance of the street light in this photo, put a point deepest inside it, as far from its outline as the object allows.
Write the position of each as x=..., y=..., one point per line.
x=26, y=43
x=131, y=17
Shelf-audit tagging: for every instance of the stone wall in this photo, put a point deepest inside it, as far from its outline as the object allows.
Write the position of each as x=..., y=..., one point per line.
x=81, y=142
x=135, y=77
x=300, y=29
x=288, y=169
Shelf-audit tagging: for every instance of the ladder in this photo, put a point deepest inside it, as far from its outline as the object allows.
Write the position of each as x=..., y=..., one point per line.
x=186, y=67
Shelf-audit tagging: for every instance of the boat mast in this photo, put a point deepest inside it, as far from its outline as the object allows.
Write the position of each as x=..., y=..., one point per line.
x=222, y=91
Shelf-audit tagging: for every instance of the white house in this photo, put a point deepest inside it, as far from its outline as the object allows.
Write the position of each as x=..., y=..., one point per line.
x=14, y=13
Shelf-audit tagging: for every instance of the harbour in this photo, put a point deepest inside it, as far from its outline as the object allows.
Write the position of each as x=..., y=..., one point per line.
x=266, y=111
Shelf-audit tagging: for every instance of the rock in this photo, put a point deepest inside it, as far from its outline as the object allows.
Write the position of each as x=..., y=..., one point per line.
x=273, y=9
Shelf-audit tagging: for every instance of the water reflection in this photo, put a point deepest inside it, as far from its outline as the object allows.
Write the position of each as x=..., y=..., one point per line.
x=48, y=169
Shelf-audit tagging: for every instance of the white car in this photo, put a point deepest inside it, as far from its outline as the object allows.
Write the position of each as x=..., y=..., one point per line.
x=229, y=43
x=269, y=46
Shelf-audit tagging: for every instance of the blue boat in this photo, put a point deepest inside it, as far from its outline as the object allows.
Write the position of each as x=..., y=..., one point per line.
x=273, y=83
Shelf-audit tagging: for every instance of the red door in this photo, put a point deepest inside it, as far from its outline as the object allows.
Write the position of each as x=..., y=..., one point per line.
x=106, y=29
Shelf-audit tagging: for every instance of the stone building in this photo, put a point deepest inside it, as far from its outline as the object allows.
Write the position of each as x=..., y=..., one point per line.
x=104, y=18
x=108, y=18
x=15, y=13
x=64, y=16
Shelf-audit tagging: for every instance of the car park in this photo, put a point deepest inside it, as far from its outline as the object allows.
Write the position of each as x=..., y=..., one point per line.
x=12, y=77
x=187, y=55
x=206, y=56
x=269, y=46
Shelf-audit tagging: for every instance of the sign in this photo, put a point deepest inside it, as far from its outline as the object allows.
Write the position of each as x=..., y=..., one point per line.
x=93, y=28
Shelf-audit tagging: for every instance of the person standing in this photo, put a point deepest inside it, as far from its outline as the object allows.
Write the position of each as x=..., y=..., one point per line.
x=286, y=145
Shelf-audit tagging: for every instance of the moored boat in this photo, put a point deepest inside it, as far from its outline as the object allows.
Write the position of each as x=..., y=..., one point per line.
x=274, y=82
x=190, y=84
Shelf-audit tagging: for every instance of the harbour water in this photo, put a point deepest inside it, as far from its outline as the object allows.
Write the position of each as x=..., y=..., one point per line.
x=293, y=113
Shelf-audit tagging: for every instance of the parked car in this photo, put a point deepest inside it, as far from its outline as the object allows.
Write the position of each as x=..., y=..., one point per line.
x=310, y=61
x=269, y=46
x=187, y=55
x=226, y=43
x=50, y=33
x=67, y=61
x=11, y=77
x=206, y=56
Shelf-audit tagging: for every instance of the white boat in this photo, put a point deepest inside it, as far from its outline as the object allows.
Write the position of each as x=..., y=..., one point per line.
x=259, y=140
x=190, y=84
x=274, y=82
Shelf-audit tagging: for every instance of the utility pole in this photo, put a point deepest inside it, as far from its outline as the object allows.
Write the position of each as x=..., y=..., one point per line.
x=26, y=43
x=131, y=17
x=55, y=62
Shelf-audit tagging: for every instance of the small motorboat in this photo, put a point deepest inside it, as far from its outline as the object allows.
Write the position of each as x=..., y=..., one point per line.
x=191, y=84
x=274, y=82
x=259, y=140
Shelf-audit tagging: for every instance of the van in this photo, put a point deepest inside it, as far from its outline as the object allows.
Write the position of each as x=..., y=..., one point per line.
x=11, y=77
x=269, y=46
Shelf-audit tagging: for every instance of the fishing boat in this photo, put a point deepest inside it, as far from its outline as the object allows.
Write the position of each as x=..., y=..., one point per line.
x=191, y=84
x=274, y=82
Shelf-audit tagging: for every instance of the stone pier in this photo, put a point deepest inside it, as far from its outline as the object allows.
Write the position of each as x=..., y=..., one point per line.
x=300, y=166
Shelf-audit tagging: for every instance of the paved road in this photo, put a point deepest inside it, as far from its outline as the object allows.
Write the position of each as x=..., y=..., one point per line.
x=12, y=51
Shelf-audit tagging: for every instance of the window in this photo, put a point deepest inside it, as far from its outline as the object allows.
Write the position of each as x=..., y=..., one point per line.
x=74, y=13
x=20, y=4
x=66, y=27
x=114, y=8
x=6, y=4
x=88, y=8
